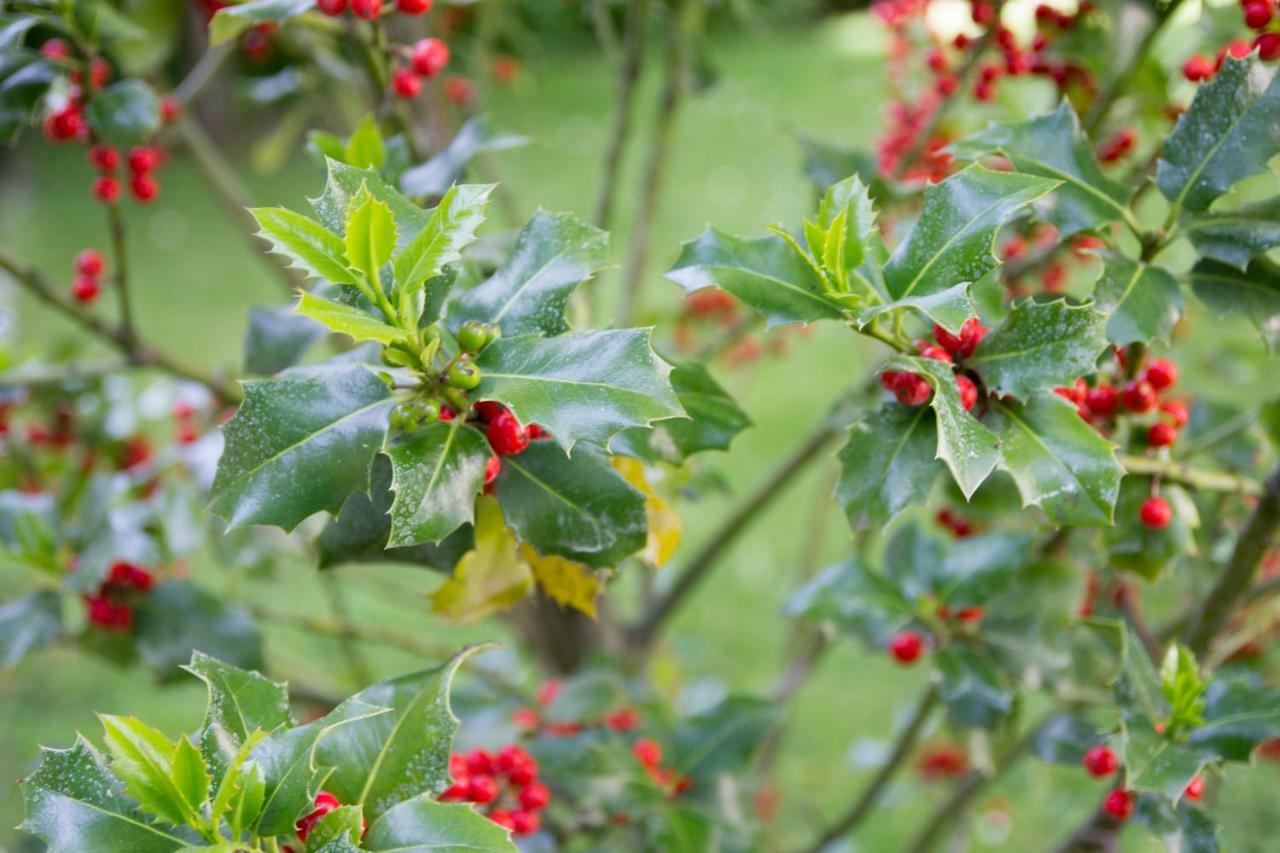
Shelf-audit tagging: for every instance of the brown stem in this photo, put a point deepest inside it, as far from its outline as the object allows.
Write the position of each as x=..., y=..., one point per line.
x=628, y=77
x=1186, y=475
x=1120, y=81
x=120, y=253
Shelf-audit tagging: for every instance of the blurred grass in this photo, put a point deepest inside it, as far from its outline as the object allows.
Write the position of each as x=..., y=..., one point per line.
x=735, y=165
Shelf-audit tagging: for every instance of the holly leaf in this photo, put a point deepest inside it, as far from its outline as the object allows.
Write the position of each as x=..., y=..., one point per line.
x=554, y=253
x=1229, y=132
x=369, y=236
x=1135, y=547
x=577, y=507
x=424, y=824
x=974, y=691
x=664, y=525
x=364, y=148
x=1153, y=762
x=437, y=472
x=1141, y=302
x=124, y=113
x=584, y=386
x=385, y=759
x=766, y=274
x=722, y=739
x=143, y=758
x=300, y=443
x=855, y=599
x=241, y=702
x=355, y=323
x=347, y=185
x=307, y=244
x=1181, y=826
x=337, y=832
x=75, y=804
x=1040, y=346
x=277, y=339
x=1064, y=739
x=566, y=582
x=434, y=177
x=1236, y=236
x=954, y=238
x=177, y=617
x=1253, y=294
x=1238, y=715
x=713, y=421
x=231, y=21
x=28, y=623
x=450, y=228
x=491, y=576
x=889, y=464
x=1054, y=146
x=1058, y=462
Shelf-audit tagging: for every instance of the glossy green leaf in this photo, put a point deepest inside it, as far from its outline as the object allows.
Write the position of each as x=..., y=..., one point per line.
x=437, y=473
x=954, y=238
x=577, y=507
x=1253, y=294
x=979, y=567
x=1059, y=462
x=1054, y=146
x=1141, y=302
x=178, y=617
x=369, y=237
x=1229, y=132
x=1042, y=345
x=277, y=339
x=1236, y=236
x=308, y=245
x=848, y=205
x=422, y=825
x=337, y=832
x=1238, y=716
x=124, y=113
x=1154, y=762
x=713, y=421
x=76, y=805
x=974, y=691
x=28, y=623
x=437, y=174
x=766, y=274
x=240, y=702
x=189, y=774
x=354, y=322
x=450, y=228
x=723, y=739
x=345, y=186
x=364, y=149
x=584, y=386
x=1182, y=827
x=855, y=599
x=230, y=21
x=143, y=758
x=554, y=253
x=889, y=464
x=1064, y=739
x=299, y=444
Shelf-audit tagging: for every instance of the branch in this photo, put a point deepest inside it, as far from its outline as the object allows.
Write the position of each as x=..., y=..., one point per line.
x=60, y=374
x=1185, y=475
x=202, y=73
x=1120, y=81
x=902, y=747
x=628, y=76
x=119, y=250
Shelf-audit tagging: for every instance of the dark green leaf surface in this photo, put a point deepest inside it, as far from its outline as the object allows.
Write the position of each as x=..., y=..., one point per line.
x=1143, y=550
x=1064, y=739
x=1042, y=345
x=422, y=825
x=449, y=229
x=554, y=253
x=231, y=21
x=241, y=701
x=584, y=386
x=1141, y=302
x=889, y=464
x=766, y=274
x=714, y=419
x=1229, y=132
x=575, y=506
x=125, y=113
x=722, y=740
x=277, y=339
x=1235, y=237
x=973, y=690
x=178, y=618
x=855, y=599
x=436, y=474
x=28, y=623
x=299, y=444
x=1253, y=294
x=1239, y=715
x=1153, y=762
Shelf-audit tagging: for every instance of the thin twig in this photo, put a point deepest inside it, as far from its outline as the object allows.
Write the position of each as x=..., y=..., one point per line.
x=1186, y=475
x=628, y=76
x=120, y=252
x=1120, y=81
x=202, y=73
x=357, y=665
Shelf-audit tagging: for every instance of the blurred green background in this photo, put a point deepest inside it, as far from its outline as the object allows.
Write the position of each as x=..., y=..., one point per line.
x=735, y=164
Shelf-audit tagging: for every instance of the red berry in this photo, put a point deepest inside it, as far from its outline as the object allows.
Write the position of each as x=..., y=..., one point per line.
x=906, y=646
x=482, y=789
x=99, y=72
x=106, y=189
x=367, y=9
x=1177, y=412
x=479, y=761
x=910, y=389
x=56, y=49
x=144, y=188
x=104, y=158
x=324, y=803
x=90, y=263
x=333, y=8
x=525, y=823
x=1238, y=49
x=447, y=414
x=492, y=468
x=1101, y=761
x=535, y=796
x=67, y=123
x=1268, y=45
x=519, y=766
x=1118, y=804
x=85, y=289
x=648, y=752
x=937, y=353
x=963, y=344
x=1161, y=373
x=1257, y=14
x=429, y=57
x=1194, y=789
x=487, y=410
x=502, y=818
x=144, y=159
x=1156, y=513
x=406, y=83
x=968, y=391
x=622, y=721
x=524, y=718
x=458, y=90
x=414, y=7
x=1162, y=434
x=170, y=109
x=1101, y=400
x=1138, y=396
x=1197, y=68
x=536, y=431
x=506, y=436
x=186, y=433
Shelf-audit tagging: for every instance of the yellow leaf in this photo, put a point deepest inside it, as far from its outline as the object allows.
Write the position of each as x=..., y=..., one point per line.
x=489, y=577
x=664, y=523
x=567, y=582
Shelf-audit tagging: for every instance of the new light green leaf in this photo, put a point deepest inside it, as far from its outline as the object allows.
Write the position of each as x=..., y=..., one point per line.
x=144, y=759
x=1040, y=346
x=365, y=149
x=1253, y=293
x=348, y=320
x=437, y=473
x=450, y=228
x=422, y=825
x=300, y=443
x=347, y=185
x=310, y=246
x=714, y=419
x=1229, y=132
x=1059, y=463
x=370, y=236
x=584, y=386
x=241, y=701
x=889, y=464
x=1142, y=302
x=554, y=253
x=189, y=774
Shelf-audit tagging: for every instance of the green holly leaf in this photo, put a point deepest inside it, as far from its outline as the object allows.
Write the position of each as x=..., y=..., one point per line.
x=143, y=758
x=889, y=464
x=231, y=21
x=1054, y=146
x=968, y=447
x=953, y=240
x=434, y=177
x=380, y=761
x=449, y=229
x=1058, y=462
x=1141, y=302
x=364, y=149
x=437, y=473
x=767, y=274
x=1229, y=132
x=1253, y=294
x=28, y=623
x=977, y=568
x=1064, y=739
x=277, y=339
x=1181, y=827
x=124, y=113
x=1135, y=547
x=1236, y=236
x=349, y=320
x=1155, y=762
x=189, y=774
x=424, y=824
x=300, y=443
x=722, y=739
x=241, y=702
x=577, y=507
x=75, y=805
x=177, y=617
x=1040, y=346
x=855, y=599
x=1238, y=715
x=347, y=185
x=584, y=386
x=974, y=691
x=714, y=419
x=308, y=245
x=337, y=832
x=840, y=236
x=370, y=236
x=554, y=253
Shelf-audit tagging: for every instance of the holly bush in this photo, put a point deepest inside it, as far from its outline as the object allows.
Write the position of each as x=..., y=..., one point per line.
x=1061, y=527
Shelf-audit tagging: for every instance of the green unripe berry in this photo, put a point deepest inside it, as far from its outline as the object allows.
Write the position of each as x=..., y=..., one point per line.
x=456, y=399
x=428, y=411
x=463, y=374
x=473, y=336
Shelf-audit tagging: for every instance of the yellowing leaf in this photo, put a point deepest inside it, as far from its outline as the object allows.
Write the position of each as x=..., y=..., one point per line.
x=567, y=582
x=664, y=523
x=491, y=576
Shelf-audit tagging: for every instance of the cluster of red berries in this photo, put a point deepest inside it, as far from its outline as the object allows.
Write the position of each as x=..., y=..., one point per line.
x=324, y=803
x=942, y=761
x=111, y=606
x=186, y=430
x=649, y=753
x=1101, y=762
x=721, y=311
x=958, y=526
x=907, y=646
x=427, y=58
x=143, y=161
x=1260, y=16
x=504, y=786
x=66, y=122
x=506, y=436
x=1035, y=61
x=89, y=267
x=372, y=9
x=530, y=720
x=911, y=389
